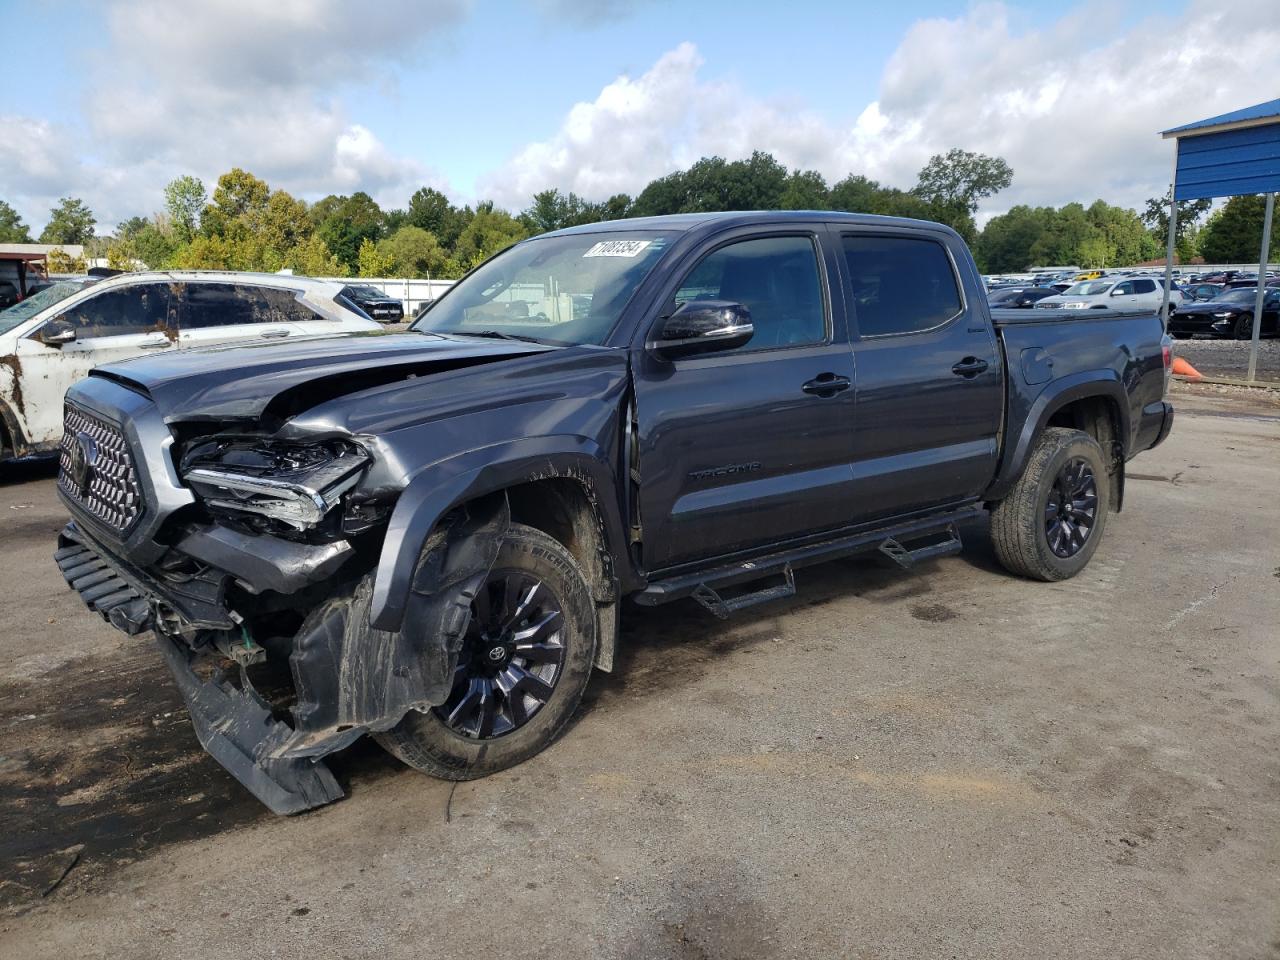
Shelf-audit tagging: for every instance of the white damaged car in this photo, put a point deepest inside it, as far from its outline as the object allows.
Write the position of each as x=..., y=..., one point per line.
x=1112, y=293
x=53, y=338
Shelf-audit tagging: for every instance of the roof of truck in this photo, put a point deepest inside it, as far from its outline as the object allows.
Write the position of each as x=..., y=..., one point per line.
x=679, y=222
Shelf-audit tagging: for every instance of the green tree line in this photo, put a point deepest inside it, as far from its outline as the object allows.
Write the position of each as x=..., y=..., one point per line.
x=246, y=225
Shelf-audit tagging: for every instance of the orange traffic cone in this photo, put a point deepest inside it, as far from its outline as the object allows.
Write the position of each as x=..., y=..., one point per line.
x=1184, y=369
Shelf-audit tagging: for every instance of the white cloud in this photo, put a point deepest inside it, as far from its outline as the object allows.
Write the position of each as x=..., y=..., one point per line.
x=199, y=88
x=1074, y=106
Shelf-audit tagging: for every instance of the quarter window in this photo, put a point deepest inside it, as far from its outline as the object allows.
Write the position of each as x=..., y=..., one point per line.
x=900, y=284
x=143, y=308
x=776, y=278
x=224, y=304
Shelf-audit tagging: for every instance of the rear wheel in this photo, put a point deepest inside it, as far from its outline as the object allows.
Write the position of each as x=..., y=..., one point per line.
x=524, y=666
x=1050, y=524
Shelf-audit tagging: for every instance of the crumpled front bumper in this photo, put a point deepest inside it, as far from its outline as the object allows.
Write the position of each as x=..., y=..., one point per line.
x=233, y=723
x=236, y=727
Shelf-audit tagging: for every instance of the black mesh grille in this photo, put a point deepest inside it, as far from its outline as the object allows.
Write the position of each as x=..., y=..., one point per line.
x=96, y=469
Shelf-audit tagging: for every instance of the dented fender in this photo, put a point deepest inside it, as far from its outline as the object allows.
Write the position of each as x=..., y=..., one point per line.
x=435, y=492
x=353, y=678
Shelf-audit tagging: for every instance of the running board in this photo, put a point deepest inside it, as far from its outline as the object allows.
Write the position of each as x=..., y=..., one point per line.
x=907, y=557
x=709, y=582
x=723, y=609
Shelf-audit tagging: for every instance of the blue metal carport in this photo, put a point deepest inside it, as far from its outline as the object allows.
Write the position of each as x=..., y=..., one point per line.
x=1231, y=155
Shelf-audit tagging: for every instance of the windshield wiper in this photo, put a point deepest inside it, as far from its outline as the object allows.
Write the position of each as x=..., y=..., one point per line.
x=492, y=335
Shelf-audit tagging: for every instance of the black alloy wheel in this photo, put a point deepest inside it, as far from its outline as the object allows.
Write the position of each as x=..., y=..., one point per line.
x=511, y=659
x=1243, y=328
x=1072, y=508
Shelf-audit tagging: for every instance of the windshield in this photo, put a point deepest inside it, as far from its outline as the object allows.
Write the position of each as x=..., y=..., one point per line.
x=562, y=290
x=1238, y=295
x=29, y=307
x=366, y=292
x=1088, y=288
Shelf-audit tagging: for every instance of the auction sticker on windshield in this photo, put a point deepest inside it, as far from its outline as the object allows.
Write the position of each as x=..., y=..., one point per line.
x=618, y=248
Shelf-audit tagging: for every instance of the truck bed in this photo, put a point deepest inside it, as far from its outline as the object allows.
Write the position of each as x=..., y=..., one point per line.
x=1048, y=352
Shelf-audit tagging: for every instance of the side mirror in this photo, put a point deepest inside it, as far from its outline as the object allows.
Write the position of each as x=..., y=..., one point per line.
x=1116, y=292
x=703, y=326
x=57, y=332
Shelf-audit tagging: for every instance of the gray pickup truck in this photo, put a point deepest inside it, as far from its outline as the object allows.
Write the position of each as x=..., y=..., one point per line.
x=427, y=536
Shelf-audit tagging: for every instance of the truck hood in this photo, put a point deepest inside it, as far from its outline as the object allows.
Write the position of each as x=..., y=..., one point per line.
x=241, y=381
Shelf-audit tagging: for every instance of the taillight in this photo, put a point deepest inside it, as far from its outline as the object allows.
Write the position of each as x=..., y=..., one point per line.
x=1167, y=350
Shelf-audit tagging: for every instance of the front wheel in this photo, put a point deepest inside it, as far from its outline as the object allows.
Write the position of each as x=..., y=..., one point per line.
x=1049, y=525
x=1243, y=328
x=525, y=662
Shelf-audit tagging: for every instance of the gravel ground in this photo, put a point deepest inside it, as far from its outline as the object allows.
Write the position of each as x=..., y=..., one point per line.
x=950, y=762
x=1230, y=358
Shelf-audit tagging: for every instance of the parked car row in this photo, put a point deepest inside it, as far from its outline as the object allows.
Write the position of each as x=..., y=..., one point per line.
x=1216, y=304
x=1119, y=292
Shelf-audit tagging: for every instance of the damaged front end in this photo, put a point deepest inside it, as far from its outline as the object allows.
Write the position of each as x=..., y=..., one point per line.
x=258, y=589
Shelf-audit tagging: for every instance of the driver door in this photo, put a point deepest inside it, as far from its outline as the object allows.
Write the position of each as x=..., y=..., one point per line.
x=751, y=445
x=114, y=325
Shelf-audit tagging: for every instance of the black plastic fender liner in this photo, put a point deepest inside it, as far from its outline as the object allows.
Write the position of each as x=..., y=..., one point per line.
x=352, y=678
x=237, y=729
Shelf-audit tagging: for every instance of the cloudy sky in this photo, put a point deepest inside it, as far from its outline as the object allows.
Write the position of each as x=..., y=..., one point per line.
x=494, y=99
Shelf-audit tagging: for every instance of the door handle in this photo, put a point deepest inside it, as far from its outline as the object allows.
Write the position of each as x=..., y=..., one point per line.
x=273, y=334
x=969, y=367
x=827, y=385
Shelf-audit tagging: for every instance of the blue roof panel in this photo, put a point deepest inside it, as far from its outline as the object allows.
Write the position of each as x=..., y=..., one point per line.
x=1258, y=111
x=1229, y=163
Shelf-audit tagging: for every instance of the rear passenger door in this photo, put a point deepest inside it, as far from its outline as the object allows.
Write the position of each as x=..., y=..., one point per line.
x=930, y=385
x=210, y=313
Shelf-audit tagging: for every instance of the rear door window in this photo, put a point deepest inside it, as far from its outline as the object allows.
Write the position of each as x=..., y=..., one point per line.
x=1144, y=286
x=204, y=305
x=900, y=284
x=143, y=308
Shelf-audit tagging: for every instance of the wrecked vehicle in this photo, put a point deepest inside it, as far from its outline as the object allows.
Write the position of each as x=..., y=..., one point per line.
x=426, y=536
x=56, y=336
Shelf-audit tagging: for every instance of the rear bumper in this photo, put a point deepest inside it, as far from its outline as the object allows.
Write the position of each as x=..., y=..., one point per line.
x=1157, y=421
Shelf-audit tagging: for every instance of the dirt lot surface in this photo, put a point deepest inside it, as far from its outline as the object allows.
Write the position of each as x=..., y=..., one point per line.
x=951, y=763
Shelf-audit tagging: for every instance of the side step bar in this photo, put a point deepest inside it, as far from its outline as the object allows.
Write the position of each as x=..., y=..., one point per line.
x=722, y=608
x=907, y=558
x=705, y=585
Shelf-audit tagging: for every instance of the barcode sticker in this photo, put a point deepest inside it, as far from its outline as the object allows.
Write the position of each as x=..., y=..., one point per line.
x=618, y=248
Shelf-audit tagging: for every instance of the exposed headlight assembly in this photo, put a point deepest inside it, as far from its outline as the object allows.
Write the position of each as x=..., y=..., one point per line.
x=295, y=484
